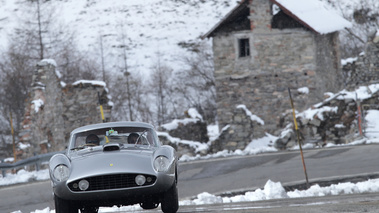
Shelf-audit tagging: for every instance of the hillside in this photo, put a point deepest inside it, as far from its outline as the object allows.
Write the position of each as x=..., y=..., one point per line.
x=150, y=26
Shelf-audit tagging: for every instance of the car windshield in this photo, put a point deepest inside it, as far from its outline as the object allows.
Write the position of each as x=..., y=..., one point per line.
x=126, y=136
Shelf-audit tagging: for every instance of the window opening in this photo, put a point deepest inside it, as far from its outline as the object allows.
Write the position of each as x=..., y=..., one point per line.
x=244, y=47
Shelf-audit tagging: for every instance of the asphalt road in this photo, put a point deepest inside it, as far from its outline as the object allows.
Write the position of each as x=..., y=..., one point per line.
x=236, y=174
x=251, y=172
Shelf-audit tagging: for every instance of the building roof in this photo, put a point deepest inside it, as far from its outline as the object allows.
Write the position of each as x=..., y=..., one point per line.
x=235, y=12
x=314, y=15
x=311, y=13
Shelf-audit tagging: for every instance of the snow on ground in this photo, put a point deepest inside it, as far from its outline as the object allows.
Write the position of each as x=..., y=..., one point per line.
x=271, y=190
x=23, y=176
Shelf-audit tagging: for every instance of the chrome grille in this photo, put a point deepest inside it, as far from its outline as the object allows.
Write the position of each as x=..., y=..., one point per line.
x=116, y=181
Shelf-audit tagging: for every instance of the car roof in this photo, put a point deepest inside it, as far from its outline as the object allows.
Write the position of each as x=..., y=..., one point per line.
x=111, y=125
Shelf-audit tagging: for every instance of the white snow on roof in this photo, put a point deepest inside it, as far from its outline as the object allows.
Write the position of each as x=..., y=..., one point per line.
x=49, y=61
x=93, y=82
x=315, y=13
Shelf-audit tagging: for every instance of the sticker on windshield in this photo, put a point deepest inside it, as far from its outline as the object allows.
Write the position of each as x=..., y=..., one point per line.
x=111, y=132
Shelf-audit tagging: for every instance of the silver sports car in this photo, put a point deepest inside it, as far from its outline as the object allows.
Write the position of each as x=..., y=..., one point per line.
x=117, y=163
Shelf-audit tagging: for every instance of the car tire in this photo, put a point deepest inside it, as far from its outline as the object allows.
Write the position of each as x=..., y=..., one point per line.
x=64, y=206
x=170, y=201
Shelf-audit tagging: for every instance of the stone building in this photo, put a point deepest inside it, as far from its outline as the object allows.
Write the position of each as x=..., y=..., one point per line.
x=364, y=69
x=263, y=47
x=54, y=109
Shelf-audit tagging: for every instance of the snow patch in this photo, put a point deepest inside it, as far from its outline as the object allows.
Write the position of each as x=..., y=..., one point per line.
x=37, y=104
x=176, y=122
x=193, y=113
x=303, y=90
x=92, y=82
x=50, y=61
x=251, y=115
x=348, y=61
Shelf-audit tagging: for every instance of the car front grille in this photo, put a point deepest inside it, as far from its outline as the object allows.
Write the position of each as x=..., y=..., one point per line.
x=116, y=181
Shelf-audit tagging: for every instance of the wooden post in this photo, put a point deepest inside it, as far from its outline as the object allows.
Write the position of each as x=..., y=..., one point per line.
x=101, y=108
x=298, y=138
x=13, y=140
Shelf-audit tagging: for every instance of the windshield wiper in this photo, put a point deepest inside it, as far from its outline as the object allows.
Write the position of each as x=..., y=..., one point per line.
x=77, y=148
x=140, y=137
x=82, y=147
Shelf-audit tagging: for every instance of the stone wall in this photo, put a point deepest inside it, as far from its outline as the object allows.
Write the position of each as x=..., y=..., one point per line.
x=242, y=129
x=192, y=131
x=333, y=121
x=81, y=104
x=54, y=109
x=279, y=59
x=365, y=68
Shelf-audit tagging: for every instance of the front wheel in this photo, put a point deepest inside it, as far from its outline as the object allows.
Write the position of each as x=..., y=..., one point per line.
x=170, y=201
x=64, y=206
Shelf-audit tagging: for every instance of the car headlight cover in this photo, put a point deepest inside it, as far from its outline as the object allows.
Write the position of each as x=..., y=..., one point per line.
x=61, y=173
x=161, y=164
x=83, y=184
x=140, y=180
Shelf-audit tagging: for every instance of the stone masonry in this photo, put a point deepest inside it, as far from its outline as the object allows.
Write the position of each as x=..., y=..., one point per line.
x=279, y=59
x=338, y=122
x=240, y=132
x=54, y=109
x=365, y=69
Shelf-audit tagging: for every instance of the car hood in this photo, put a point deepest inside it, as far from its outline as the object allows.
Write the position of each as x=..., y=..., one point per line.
x=86, y=164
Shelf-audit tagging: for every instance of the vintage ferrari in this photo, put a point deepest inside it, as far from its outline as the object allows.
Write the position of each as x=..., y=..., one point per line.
x=116, y=163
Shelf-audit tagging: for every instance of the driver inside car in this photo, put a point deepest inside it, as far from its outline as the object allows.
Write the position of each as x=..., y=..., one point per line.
x=92, y=140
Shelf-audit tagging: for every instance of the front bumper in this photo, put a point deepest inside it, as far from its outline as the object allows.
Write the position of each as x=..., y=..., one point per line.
x=121, y=196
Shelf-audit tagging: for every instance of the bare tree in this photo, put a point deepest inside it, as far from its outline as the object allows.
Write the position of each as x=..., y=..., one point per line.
x=17, y=70
x=36, y=37
x=161, y=87
x=76, y=65
x=42, y=35
x=196, y=83
x=138, y=106
x=364, y=15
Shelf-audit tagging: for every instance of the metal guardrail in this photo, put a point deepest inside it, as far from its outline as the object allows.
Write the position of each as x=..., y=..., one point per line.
x=32, y=161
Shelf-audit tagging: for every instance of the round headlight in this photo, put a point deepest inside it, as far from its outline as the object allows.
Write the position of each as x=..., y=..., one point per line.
x=61, y=173
x=161, y=164
x=83, y=185
x=140, y=180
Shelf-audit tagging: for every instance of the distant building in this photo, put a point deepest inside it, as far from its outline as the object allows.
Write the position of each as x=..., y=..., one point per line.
x=263, y=47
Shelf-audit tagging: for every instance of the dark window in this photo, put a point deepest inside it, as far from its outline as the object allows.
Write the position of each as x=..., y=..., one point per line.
x=283, y=21
x=244, y=47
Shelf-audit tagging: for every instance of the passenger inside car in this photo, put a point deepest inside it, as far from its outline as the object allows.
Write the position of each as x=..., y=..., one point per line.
x=132, y=138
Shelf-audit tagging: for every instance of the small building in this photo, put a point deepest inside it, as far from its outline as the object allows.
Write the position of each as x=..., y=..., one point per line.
x=263, y=47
